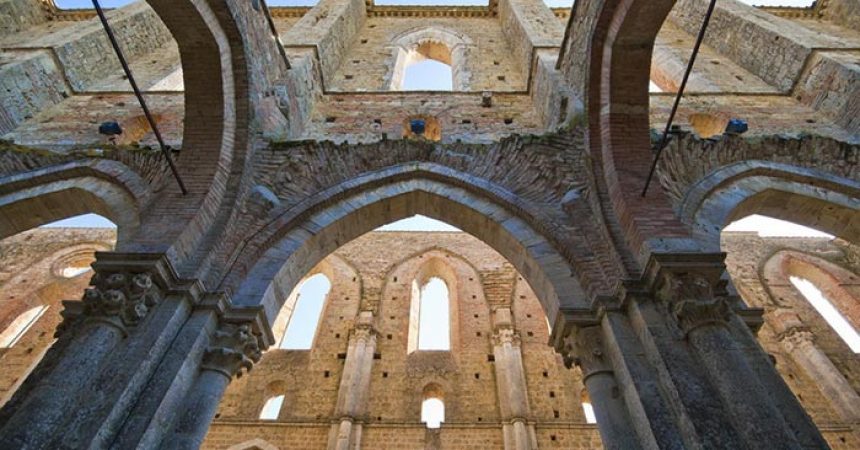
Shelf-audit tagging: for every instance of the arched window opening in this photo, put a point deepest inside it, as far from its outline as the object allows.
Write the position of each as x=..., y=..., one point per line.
x=433, y=412
x=653, y=87
x=768, y=226
x=830, y=314
x=272, y=408
x=305, y=318
x=430, y=58
x=587, y=409
x=82, y=221
x=434, y=319
x=16, y=330
x=427, y=75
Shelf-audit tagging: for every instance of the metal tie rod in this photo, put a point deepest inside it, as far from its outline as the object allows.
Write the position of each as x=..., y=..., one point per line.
x=274, y=31
x=664, y=140
x=139, y=95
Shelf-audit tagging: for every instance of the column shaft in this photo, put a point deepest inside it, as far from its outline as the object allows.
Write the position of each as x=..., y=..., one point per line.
x=755, y=417
x=200, y=408
x=48, y=405
x=820, y=368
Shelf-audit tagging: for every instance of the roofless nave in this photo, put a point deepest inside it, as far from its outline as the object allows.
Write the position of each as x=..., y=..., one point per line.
x=569, y=288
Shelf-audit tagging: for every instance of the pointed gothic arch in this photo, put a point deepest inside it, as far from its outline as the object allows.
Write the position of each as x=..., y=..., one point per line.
x=297, y=241
x=801, y=195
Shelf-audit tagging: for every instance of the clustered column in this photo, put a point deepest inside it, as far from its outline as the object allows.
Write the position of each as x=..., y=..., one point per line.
x=703, y=318
x=354, y=385
x=119, y=299
x=511, y=383
x=668, y=363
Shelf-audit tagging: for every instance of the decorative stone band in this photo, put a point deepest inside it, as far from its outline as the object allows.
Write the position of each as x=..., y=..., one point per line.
x=233, y=347
x=505, y=335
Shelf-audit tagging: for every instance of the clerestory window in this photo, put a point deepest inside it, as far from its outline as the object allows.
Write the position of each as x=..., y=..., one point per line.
x=305, y=317
x=430, y=315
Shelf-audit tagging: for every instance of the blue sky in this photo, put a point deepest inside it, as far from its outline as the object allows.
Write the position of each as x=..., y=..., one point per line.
x=428, y=75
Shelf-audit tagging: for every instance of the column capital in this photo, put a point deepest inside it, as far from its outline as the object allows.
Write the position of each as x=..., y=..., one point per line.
x=121, y=298
x=124, y=289
x=363, y=331
x=692, y=314
x=587, y=351
x=506, y=335
x=692, y=287
x=796, y=337
x=363, y=328
x=232, y=347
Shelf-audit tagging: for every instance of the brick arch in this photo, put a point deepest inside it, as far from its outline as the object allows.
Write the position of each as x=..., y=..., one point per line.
x=296, y=242
x=801, y=195
x=840, y=285
x=104, y=187
x=215, y=65
x=618, y=46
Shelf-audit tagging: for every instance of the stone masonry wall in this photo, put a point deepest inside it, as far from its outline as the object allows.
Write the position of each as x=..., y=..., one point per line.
x=375, y=273
x=370, y=56
x=362, y=273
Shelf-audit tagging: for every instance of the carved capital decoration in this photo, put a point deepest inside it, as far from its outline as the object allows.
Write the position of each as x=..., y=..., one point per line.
x=363, y=332
x=796, y=337
x=691, y=300
x=232, y=347
x=680, y=287
x=120, y=298
x=585, y=350
x=506, y=335
x=691, y=315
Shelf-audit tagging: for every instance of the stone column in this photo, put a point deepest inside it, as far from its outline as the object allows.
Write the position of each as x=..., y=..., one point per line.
x=354, y=385
x=511, y=383
x=584, y=347
x=799, y=342
x=689, y=372
x=701, y=309
x=232, y=348
x=119, y=299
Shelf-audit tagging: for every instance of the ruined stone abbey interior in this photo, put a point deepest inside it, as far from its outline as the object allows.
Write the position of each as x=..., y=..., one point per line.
x=429, y=224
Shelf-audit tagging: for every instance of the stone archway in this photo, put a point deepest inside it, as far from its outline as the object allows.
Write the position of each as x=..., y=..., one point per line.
x=295, y=246
x=440, y=44
x=104, y=187
x=801, y=195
